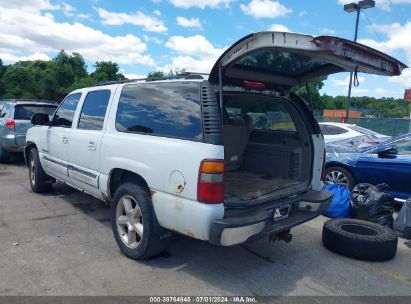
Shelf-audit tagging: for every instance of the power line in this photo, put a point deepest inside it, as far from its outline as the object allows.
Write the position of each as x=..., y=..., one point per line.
x=375, y=31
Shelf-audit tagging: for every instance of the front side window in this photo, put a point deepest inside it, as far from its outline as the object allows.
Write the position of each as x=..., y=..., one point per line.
x=266, y=114
x=65, y=113
x=164, y=109
x=94, y=110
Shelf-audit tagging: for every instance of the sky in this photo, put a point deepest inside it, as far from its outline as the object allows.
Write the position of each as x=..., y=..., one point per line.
x=149, y=35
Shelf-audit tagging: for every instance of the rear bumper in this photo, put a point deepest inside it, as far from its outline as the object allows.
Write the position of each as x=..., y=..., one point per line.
x=255, y=223
x=8, y=143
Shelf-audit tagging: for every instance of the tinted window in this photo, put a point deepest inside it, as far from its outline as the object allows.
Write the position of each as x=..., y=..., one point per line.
x=94, y=110
x=363, y=130
x=25, y=112
x=403, y=146
x=65, y=113
x=279, y=63
x=167, y=109
x=332, y=130
x=265, y=114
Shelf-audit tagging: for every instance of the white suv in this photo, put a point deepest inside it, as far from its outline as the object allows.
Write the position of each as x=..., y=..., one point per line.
x=227, y=159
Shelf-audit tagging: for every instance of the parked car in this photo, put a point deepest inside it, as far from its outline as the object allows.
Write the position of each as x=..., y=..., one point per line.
x=388, y=162
x=182, y=154
x=15, y=116
x=334, y=131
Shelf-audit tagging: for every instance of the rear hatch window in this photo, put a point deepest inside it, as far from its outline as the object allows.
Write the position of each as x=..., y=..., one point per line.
x=25, y=112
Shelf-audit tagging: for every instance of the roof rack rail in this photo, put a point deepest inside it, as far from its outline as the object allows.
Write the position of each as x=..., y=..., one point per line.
x=26, y=99
x=185, y=75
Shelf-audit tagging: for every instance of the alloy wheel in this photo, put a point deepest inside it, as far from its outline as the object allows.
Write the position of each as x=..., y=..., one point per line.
x=336, y=177
x=129, y=221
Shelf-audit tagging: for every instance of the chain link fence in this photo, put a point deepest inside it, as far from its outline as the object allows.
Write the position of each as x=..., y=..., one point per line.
x=386, y=126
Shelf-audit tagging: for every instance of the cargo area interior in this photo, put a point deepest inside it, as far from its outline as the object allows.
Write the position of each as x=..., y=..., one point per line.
x=267, y=148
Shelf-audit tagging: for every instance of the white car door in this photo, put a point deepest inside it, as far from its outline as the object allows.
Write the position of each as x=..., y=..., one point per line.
x=85, y=141
x=55, y=148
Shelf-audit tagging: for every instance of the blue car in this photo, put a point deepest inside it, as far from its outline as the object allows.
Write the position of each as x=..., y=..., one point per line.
x=348, y=162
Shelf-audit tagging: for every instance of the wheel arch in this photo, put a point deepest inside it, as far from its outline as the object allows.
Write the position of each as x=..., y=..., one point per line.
x=118, y=176
x=29, y=145
x=346, y=167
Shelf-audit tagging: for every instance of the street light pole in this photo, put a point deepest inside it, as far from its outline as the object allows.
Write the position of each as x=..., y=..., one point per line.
x=355, y=7
x=347, y=112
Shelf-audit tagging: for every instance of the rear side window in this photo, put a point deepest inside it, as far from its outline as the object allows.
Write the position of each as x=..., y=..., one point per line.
x=164, y=109
x=332, y=130
x=25, y=112
x=265, y=114
x=65, y=113
x=94, y=110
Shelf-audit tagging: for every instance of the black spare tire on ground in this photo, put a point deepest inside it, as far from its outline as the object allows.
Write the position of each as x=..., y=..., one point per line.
x=360, y=239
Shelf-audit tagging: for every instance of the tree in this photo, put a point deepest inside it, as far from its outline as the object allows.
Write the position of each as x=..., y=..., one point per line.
x=156, y=74
x=314, y=87
x=107, y=71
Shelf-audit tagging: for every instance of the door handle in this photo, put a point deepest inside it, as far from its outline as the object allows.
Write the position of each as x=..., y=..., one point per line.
x=92, y=146
x=64, y=140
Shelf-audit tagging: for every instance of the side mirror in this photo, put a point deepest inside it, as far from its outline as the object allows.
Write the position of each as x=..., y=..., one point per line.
x=40, y=119
x=387, y=152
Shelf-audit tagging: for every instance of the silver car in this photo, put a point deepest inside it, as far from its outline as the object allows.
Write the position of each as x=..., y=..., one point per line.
x=15, y=116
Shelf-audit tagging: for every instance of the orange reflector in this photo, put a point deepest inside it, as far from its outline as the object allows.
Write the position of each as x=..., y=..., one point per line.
x=212, y=166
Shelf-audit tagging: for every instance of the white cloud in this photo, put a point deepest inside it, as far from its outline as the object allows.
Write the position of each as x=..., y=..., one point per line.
x=278, y=28
x=404, y=79
x=67, y=9
x=397, y=38
x=194, y=46
x=344, y=82
x=382, y=4
x=192, y=22
x=149, y=23
x=328, y=31
x=157, y=12
x=152, y=39
x=11, y=58
x=201, y=3
x=42, y=34
x=28, y=5
x=133, y=76
x=265, y=9
x=302, y=13
x=359, y=91
x=380, y=91
x=194, y=54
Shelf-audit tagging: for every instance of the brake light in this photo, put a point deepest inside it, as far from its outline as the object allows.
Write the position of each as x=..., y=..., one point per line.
x=211, y=181
x=11, y=124
x=323, y=170
x=254, y=85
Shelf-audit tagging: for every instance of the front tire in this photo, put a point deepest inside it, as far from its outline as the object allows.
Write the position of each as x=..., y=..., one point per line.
x=339, y=175
x=40, y=182
x=134, y=223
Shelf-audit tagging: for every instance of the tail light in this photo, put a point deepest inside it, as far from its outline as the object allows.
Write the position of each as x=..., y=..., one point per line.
x=323, y=170
x=211, y=181
x=11, y=124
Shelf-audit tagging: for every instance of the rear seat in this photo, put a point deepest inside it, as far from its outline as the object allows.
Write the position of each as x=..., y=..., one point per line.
x=236, y=135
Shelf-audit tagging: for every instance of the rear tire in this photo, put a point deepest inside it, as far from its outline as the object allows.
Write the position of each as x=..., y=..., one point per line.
x=340, y=175
x=134, y=223
x=359, y=239
x=40, y=182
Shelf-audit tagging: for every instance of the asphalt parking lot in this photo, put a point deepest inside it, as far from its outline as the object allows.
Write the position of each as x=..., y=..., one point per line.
x=61, y=244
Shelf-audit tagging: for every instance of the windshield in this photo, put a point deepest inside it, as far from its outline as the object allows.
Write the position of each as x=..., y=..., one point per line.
x=25, y=112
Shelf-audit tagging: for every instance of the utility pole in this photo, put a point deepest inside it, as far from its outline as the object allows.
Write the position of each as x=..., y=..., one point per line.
x=355, y=7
